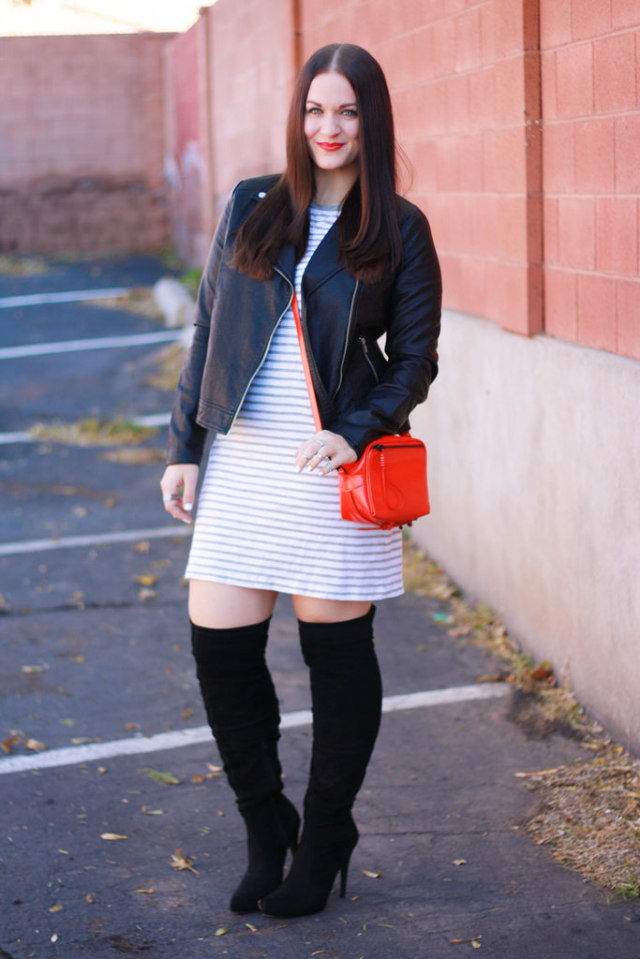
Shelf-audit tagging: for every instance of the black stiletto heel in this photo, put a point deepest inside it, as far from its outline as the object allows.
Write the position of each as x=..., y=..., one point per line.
x=323, y=853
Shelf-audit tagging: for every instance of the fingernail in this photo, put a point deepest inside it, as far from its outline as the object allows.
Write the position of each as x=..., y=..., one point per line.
x=298, y=469
x=188, y=507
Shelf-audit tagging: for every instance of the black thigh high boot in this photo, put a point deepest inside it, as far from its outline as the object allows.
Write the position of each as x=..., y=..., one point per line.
x=346, y=693
x=242, y=710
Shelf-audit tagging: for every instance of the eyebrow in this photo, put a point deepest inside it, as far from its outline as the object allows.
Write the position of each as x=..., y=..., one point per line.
x=341, y=107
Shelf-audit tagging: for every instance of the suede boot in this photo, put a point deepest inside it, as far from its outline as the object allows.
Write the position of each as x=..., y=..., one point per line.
x=346, y=693
x=242, y=709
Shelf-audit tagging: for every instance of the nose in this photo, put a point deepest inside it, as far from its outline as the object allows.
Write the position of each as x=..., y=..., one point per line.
x=330, y=124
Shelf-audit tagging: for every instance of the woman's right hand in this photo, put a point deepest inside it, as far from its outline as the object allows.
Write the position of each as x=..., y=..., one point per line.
x=178, y=485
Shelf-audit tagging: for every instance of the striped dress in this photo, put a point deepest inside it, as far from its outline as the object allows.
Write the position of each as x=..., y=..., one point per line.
x=262, y=525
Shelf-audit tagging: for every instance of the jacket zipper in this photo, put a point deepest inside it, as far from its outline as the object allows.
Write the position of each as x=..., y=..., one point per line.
x=266, y=349
x=346, y=340
x=365, y=350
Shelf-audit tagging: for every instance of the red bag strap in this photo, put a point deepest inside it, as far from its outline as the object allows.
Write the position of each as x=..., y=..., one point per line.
x=305, y=364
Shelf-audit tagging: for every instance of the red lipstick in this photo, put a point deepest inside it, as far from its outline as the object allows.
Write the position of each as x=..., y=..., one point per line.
x=330, y=146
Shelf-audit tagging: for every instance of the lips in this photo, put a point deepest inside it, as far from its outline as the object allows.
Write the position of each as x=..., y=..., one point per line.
x=330, y=147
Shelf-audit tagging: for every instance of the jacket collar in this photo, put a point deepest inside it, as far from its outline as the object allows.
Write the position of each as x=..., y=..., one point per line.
x=321, y=267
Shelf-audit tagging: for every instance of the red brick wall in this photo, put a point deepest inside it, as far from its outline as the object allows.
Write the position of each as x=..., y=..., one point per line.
x=462, y=73
x=252, y=70
x=81, y=143
x=187, y=142
x=591, y=92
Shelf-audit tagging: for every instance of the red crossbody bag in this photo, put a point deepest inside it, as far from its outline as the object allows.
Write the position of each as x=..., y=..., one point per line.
x=387, y=486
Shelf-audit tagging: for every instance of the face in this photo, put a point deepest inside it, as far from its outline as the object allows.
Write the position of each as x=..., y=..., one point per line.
x=331, y=122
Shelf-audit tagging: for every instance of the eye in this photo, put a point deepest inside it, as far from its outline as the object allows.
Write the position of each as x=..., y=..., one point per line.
x=314, y=111
x=350, y=113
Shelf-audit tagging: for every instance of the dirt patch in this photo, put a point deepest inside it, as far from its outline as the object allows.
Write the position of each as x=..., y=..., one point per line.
x=22, y=265
x=588, y=812
x=138, y=300
x=93, y=432
x=167, y=364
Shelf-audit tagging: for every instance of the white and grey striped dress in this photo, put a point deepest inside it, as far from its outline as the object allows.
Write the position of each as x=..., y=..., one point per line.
x=261, y=524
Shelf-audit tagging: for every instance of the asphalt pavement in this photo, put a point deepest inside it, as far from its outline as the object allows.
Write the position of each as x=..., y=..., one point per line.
x=118, y=834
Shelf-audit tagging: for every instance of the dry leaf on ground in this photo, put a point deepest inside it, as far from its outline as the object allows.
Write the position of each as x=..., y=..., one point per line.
x=178, y=861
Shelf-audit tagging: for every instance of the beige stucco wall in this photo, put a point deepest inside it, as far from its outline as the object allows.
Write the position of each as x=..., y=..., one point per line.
x=534, y=470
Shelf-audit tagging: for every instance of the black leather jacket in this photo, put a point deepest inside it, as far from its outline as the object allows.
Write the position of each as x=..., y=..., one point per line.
x=361, y=393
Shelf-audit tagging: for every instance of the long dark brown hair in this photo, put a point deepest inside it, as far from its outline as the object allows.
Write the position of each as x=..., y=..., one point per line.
x=368, y=232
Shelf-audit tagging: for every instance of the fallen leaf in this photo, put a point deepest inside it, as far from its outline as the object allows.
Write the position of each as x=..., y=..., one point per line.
x=54, y=937
x=142, y=547
x=186, y=713
x=65, y=852
x=8, y=743
x=372, y=875
x=214, y=769
x=35, y=745
x=57, y=908
x=178, y=861
x=102, y=770
x=145, y=593
x=146, y=579
x=475, y=944
x=152, y=812
x=91, y=897
x=197, y=778
x=459, y=862
x=251, y=927
x=221, y=931
x=33, y=669
x=80, y=511
x=168, y=778
x=111, y=835
x=131, y=726
x=541, y=772
x=472, y=940
x=78, y=659
x=543, y=673
x=146, y=892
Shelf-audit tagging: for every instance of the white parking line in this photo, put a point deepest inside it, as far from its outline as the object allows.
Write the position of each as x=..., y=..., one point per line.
x=72, y=755
x=94, y=343
x=93, y=539
x=23, y=436
x=69, y=296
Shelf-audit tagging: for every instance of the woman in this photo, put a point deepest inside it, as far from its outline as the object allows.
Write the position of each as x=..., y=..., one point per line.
x=363, y=264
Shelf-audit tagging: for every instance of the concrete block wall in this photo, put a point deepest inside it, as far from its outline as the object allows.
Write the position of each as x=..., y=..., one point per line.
x=81, y=144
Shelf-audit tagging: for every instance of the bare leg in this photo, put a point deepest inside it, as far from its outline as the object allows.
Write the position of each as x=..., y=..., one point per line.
x=220, y=606
x=308, y=609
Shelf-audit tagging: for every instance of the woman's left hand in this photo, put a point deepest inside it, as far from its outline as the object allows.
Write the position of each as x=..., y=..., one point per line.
x=324, y=452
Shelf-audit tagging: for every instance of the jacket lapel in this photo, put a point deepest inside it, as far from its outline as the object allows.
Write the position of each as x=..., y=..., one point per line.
x=324, y=263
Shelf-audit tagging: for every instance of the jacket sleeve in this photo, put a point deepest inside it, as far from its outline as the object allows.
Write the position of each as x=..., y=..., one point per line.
x=186, y=437
x=413, y=327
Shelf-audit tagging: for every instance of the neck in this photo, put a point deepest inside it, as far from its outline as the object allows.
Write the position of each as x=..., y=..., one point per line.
x=333, y=186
